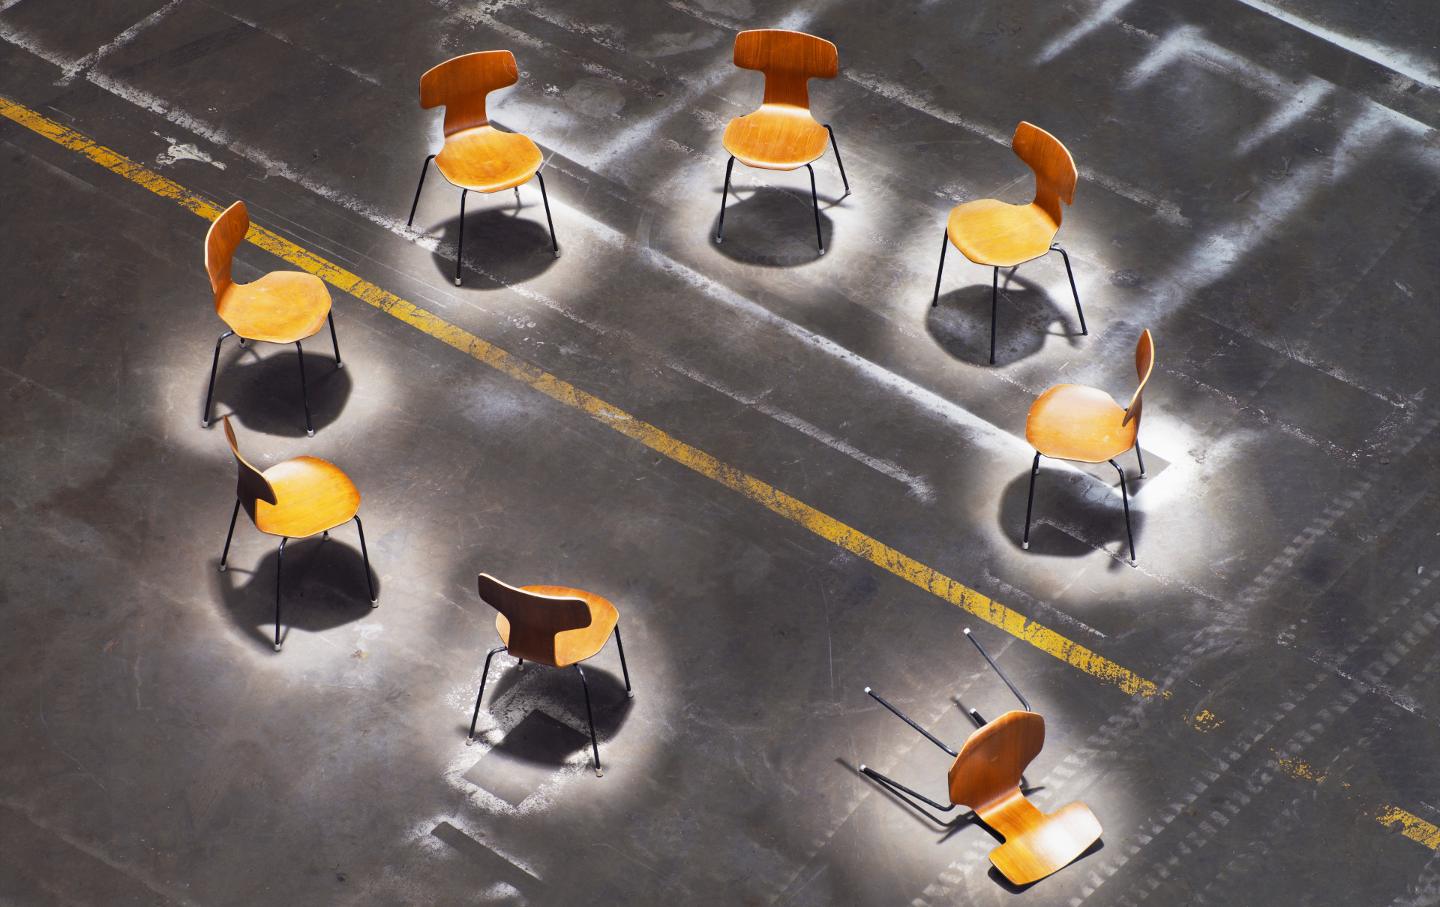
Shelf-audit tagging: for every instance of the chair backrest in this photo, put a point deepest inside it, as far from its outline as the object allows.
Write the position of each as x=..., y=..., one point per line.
x=250, y=485
x=789, y=60
x=224, y=237
x=1055, y=173
x=990, y=764
x=461, y=84
x=1144, y=365
x=534, y=619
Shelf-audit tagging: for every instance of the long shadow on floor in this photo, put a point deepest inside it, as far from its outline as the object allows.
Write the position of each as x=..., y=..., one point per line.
x=323, y=586
x=259, y=386
x=773, y=227
x=505, y=242
x=1081, y=502
x=1025, y=318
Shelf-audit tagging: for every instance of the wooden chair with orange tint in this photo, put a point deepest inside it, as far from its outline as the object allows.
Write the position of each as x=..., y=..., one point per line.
x=992, y=232
x=477, y=157
x=988, y=775
x=1085, y=425
x=281, y=307
x=296, y=499
x=557, y=626
x=781, y=134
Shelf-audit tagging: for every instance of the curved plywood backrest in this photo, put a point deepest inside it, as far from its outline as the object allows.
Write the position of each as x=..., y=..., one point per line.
x=990, y=764
x=251, y=485
x=789, y=59
x=460, y=84
x=534, y=619
x=1144, y=365
x=1055, y=173
x=224, y=237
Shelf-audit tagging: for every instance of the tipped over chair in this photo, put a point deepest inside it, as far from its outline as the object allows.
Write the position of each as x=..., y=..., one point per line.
x=988, y=776
x=781, y=134
x=281, y=307
x=991, y=232
x=477, y=157
x=552, y=625
x=1086, y=425
x=294, y=500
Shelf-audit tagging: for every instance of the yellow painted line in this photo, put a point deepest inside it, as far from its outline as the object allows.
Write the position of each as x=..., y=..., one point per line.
x=757, y=490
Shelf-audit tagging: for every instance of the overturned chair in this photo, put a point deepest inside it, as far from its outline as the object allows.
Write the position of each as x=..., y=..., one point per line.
x=987, y=775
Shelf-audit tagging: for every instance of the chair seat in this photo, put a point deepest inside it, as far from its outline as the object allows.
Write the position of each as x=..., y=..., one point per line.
x=576, y=645
x=281, y=307
x=1075, y=422
x=776, y=137
x=312, y=495
x=1048, y=843
x=485, y=159
x=991, y=232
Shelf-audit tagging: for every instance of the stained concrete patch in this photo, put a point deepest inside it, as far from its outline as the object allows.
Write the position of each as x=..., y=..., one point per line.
x=527, y=758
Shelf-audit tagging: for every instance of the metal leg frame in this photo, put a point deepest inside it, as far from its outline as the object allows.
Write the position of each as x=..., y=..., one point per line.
x=365, y=556
x=225, y=555
x=304, y=392
x=1071, y=274
x=334, y=341
x=906, y=718
x=214, y=367
x=815, y=202
x=423, y=169
x=1139, y=458
x=837, y=158
x=554, y=246
x=1125, y=499
x=1030, y=502
x=944, y=247
x=460, y=241
x=590, y=716
x=484, y=676
x=629, y=693
x=279, y=563
x=994, y=303
x=724, y=197
x=902, y=789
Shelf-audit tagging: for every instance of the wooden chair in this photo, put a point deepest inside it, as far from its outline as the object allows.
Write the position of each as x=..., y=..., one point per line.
x=281, y=307
x=988, y=776
x=295, y=499
x=1086, y=425
x=781, y=134
x=476, y=156
x=552, y=625
x=991, y=232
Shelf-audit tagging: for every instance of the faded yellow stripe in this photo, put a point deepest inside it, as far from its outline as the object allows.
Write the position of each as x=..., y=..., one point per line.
x=777, y=501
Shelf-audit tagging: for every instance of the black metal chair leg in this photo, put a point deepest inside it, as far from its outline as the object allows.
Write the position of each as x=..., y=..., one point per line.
x=944, y=247
x=415, y=204
x=994, y=303
x=334, y=341
x=304, y=391
x=1071, y=274
x=897, y=786
x=214, y=367
x=724, y=197
x=1139, y=457
x=837, y=158
x=460, y=240
x=225, y=555
x=365, y=556
x=1030, y=502
x=279, y=563
x=554, y=246
x=1125, y=499
x=589, y=716
x=906, y=718
x=815, y=202
x=484, y=676
x=629, y=693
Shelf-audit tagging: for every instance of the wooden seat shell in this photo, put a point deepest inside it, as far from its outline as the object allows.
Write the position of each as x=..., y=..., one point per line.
x=280, y=307
x=553, y=625
x=991, y=232
x=476, y=155
x=297, y=498
x=781, y=134
x=1085, y=424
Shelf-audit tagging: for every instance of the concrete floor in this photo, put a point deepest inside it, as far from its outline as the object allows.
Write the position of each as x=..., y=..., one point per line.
x=1260, y=186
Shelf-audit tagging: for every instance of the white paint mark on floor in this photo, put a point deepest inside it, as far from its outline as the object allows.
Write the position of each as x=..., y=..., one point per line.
x=1106, y=12
x=183, y=151
x=1424, y=71
x=71, y=70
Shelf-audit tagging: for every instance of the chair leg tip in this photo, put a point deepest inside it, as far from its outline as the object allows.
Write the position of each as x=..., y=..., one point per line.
x=719, y=240
x=309, y=432
x=1025, y=545
x=863, y=766
x=599, y=772
x=557, y=253
x=374, y=602
x=469, y=741
x=204, y=423
x=1134, y=563
x=822, y=251
x=222, y=568
x=277, y=647
x=629, y=694
x=457, y=281
x=339, y=364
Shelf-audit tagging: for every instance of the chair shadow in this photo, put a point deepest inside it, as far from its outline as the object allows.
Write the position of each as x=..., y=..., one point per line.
x=1024, y=317
x=556, y=691
x=323, y=587
x=260, y=387
x=772, y=227
x=1068, y=499
x=505, y=242
x=916, y=811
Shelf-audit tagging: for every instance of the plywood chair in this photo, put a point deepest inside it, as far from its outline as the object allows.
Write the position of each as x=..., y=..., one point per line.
x=295, y=499
x=781, y=134
x=281, y=307
x=988, y=776
x=476, y=156
x=991, y=232
x=552, y=625
x=1086, y=425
